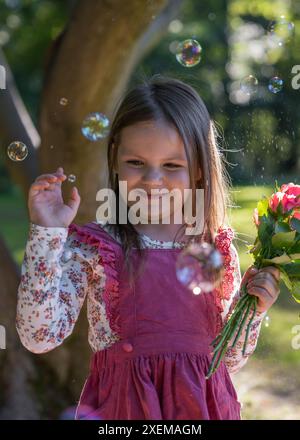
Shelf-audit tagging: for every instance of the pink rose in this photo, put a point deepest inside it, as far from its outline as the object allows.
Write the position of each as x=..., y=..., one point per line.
x=275, y=200
x=290, y=201
x=289, y=198
x=255, y=217
x=290, y=189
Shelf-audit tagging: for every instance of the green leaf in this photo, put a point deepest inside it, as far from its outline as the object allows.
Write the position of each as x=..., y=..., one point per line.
x=264, y=232
x=296, y=291
x=295, y=224
x=295, y=249
x=293, y=269
x=282, y=227
x=282, y=259
x=283, y=239
x=255, y=249
x=286, y=279
x=295, y=256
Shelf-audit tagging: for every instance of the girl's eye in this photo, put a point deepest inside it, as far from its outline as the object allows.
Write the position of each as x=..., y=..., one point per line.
x=172, y=165
x=134, y=162
x=138, y=162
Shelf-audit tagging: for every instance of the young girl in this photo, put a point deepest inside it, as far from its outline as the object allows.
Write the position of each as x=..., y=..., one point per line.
x=150, y=335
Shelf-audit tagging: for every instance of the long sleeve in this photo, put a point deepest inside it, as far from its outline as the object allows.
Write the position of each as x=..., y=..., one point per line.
x=234, y=358
x=55, y=276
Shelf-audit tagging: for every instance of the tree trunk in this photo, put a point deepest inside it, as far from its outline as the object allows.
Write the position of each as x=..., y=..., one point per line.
x=91, y=72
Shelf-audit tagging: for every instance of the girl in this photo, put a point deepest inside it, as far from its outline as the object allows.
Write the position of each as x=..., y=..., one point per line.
x=150, y=335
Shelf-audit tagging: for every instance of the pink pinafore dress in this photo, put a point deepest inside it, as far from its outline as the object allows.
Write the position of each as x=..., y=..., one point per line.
x=157, y=369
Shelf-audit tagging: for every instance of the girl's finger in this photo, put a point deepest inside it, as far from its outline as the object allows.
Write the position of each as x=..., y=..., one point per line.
x=74, y=199
x=250, y=273
x=41, y=183
x=53, y=177
x=274, y=271
x=265, y=276
x=263, y=282
x=261, y=293
x=269, y=288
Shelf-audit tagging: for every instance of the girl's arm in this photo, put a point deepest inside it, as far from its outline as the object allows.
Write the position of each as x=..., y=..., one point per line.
x=234, y=359
x=55, y=278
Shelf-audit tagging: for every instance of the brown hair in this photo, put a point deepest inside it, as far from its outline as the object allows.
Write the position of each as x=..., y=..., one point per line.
x=162, y=98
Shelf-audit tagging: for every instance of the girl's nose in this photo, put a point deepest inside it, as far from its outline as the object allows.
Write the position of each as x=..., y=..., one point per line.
x=152, y=176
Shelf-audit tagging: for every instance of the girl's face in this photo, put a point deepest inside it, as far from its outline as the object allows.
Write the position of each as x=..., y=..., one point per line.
x=151, y=155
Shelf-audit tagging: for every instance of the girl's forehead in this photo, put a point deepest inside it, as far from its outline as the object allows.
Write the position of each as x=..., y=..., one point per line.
x=151, y=135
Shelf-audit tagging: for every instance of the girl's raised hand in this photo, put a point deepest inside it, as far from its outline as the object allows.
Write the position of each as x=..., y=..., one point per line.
x=45, y=202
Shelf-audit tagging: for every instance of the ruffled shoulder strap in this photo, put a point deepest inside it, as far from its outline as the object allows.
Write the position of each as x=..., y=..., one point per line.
x=223, y=242
x=94, y=235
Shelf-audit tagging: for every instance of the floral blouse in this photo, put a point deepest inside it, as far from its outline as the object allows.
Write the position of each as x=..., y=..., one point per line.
x=59, y=271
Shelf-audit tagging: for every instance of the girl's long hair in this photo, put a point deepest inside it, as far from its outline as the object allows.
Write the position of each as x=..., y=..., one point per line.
x=162, y=98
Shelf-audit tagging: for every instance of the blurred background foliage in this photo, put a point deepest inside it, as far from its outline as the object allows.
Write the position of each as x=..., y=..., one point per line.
x=264, y=131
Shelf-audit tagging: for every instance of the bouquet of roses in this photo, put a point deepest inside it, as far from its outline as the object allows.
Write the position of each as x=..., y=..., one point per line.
x=277, y=219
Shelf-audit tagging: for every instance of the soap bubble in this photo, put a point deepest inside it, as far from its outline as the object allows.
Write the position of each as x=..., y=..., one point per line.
x=71, y=178
x=188, y=53
x=17, y=151
x=95, y=126
x=275, y=84
x=282, y=30
x=199, y=267
x=267, y=321
x=249, y=85
x=63, y=101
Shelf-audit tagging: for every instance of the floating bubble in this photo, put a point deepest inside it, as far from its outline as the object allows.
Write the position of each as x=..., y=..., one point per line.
x=188, y=53
x=199, y=267
x=267, y=321
x=196, y=290
x=95, y=126
x=175, y=26
x=63, y=101
x=66, y=256
x=71, y=178
x=17, y=151
x=249, y=85
x=282, y=30
x=275, y=84
x=51, y=147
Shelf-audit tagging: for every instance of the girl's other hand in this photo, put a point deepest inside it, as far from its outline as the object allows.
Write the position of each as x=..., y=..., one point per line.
x=263, y=283
x=45, y=202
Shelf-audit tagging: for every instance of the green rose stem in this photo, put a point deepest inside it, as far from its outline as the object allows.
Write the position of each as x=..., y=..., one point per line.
x=248, y=307
x=221, y=337
x=235, y=323
x=254, y=303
